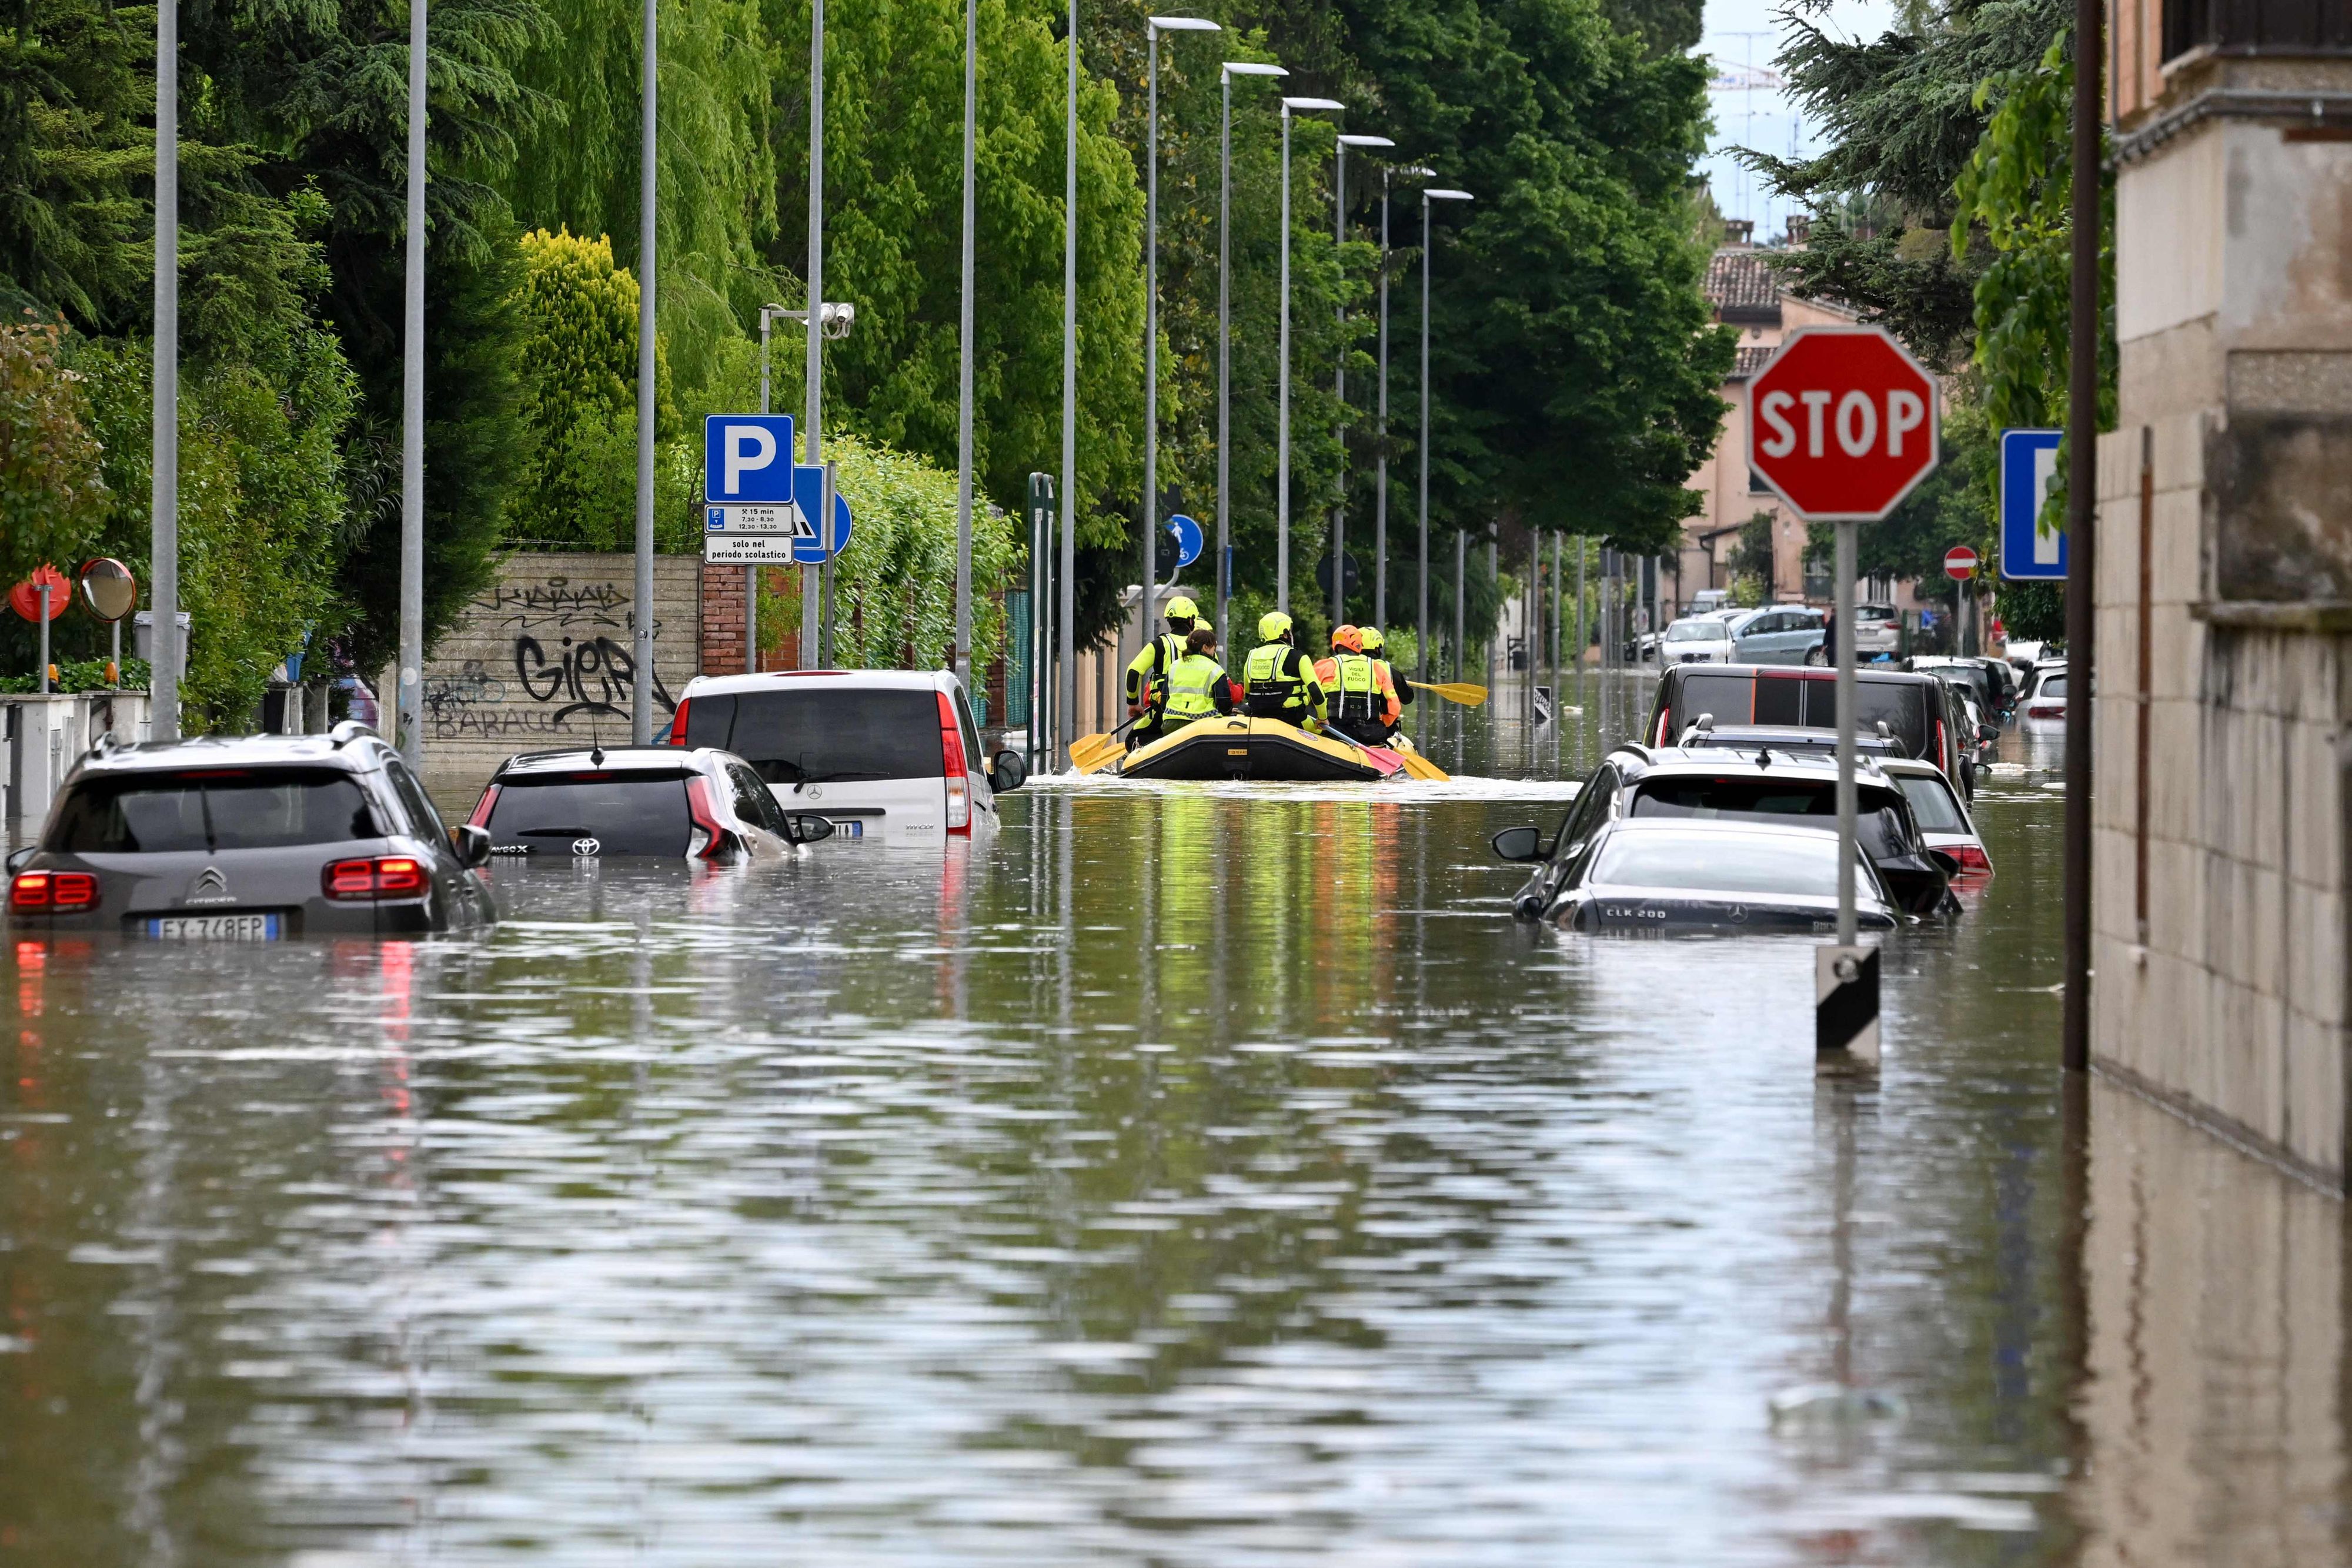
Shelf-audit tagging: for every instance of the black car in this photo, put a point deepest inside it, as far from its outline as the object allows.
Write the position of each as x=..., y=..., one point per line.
x=253, y=839
x=1911, y=706
x=1689, y=875
x=1792, y=790
x=665, y=802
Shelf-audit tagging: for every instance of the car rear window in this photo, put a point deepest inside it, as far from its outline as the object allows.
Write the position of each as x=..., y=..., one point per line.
x=626, y=814
x=1932, y=802
x=1877, y=823
x=210, y=810
x=2053, y=686
x=818, y=734
x=1804, y=701
x=1794, y=865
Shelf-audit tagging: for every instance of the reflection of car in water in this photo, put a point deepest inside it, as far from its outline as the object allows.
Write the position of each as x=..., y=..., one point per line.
x=1683, y=874
x=254, y=838
x=1764, y=789
x=663, y=802
x=883, y=754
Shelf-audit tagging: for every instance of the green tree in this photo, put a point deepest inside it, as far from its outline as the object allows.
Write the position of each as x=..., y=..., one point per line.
x=1749, y=559
x=52, y=497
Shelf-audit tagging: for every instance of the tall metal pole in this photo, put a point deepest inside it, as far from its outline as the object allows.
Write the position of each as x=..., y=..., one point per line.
x=1282, y=394
x=409, y=703
x=163, y=493
x=1843, y=600
x=962, y=656
x=812, y=415
x=641, y=685
x=1224, y=352
x=1150, y=567
x=2081, y=526
x=1065, y=576
x=1461, y=558
x=1340, y=389
x=1420, y=581
x=1380, y=437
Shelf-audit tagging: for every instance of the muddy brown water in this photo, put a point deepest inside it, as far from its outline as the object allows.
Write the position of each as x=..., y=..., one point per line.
x=1191, y=1175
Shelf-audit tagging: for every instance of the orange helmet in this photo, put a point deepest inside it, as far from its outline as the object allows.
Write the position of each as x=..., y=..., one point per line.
x=1347, y=637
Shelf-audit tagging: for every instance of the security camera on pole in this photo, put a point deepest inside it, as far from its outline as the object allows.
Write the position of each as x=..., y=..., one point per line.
x=1842, y=424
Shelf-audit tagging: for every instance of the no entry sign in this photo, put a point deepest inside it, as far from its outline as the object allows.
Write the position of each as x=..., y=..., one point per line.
x=1959, y=563
x=1842, y=423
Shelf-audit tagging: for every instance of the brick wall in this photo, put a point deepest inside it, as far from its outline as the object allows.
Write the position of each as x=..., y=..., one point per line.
x=541, y=658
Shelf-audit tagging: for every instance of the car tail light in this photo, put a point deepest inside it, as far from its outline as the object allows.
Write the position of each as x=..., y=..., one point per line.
x=1663, y=717
x=2046, y=710
x=40, y=891
x=377, y=877
x=678, y=722
x=483, y=808
x=716, y=840
x=1941, y=751
x=951, y=765
x=1970, y=857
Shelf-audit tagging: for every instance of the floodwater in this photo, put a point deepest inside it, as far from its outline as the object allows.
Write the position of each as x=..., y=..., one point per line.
x=1191, y=1175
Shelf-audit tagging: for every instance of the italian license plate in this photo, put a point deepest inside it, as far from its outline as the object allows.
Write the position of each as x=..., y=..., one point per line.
x=215, y=928
x=850, y=828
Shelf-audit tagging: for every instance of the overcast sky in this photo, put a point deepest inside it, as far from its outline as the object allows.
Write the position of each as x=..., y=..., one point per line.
x=1737, y=32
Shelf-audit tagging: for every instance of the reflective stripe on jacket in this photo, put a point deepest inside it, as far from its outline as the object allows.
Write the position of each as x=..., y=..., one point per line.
x=1197, y=687
x=1159, y=654
x=1281, y=683
x=1359, y=688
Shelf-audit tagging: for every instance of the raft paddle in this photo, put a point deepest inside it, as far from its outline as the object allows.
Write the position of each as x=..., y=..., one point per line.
x=1093, y=753
x=1461, y=692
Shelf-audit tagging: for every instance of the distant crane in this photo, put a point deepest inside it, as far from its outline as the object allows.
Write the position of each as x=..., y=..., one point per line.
x=1743, y=76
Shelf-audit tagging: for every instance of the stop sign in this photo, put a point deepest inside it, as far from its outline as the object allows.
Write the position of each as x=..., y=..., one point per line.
x=1842, y=422
x=1959, y=563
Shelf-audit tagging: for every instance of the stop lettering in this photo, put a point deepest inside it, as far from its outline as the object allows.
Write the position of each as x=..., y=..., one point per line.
x=1843, y=422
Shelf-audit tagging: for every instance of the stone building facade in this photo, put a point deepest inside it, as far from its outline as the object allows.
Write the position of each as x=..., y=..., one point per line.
x=2222, y=837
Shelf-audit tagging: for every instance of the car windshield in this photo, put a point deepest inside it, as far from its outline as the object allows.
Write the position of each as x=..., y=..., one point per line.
x=2054, y=687
x=1932, y=802
x=818, y=733
x=1790, y=865
x=212, y=809
x=626, y=814
x=1694, y=632
x=1862, y=612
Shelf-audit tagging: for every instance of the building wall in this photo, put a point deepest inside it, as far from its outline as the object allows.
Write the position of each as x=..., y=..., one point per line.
x=541, y=658
x=2223, y=725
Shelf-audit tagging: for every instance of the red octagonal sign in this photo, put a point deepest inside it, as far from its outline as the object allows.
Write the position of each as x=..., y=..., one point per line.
x=1843, y=422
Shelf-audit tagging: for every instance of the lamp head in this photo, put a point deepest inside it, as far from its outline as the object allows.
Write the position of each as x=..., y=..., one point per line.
x=1312, y=103
x=1366, y=142
x=1253, y=68
x=1184, y=25
x=1445, y=195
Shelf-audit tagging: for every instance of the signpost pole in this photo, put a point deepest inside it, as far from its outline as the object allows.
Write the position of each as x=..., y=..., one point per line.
x=1845, y=747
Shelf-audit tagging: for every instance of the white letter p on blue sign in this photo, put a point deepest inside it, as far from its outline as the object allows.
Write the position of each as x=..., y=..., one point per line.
x=746, y=458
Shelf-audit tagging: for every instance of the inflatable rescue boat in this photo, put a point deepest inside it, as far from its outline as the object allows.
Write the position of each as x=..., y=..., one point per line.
x=1240, y=748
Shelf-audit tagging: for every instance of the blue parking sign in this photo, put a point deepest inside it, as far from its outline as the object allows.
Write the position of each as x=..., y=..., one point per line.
x=2029, y=467
x=747, y=459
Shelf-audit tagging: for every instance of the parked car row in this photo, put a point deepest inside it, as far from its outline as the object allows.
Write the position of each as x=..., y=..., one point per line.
x=267, y=837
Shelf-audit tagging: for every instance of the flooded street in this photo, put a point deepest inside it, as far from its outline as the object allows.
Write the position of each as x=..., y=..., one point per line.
x=1191, y=1175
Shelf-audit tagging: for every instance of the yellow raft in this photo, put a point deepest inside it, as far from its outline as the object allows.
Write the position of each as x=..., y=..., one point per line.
x=1240, y=748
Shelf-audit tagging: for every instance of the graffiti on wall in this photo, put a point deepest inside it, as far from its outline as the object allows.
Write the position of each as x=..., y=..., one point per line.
x=547, y=659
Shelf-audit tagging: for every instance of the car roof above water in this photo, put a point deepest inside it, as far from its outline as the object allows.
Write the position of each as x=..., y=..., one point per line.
x=356, y=752
x=619, y=759
x=788, y=680
x=1715, y=762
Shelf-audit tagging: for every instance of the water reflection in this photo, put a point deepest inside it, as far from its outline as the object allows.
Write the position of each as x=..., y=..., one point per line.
x=1191, y=1175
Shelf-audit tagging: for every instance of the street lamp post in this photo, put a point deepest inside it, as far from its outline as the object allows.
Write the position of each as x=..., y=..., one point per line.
x=1153, y=27
x=408, y=700
x=1225, y=330
x=1381, y=494
x=641, y=683
x=1282, y=392
x=1421, y=585
x=164, y=491
x=768, y=314
x=961, y=658
x=1339, y=376
x=813, y=416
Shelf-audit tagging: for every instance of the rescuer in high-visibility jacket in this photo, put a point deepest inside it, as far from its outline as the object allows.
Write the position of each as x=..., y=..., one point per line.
x=1277, y=681
x=1197, y=685
x=1362, y=702
x=1149, y=668
x=1376, y=646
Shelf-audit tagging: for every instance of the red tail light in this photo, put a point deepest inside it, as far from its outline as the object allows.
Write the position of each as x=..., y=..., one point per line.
x=1970, y=857
x=383, y=876
x=482, y=808
x=1941, y=753
x=2046, y=710
x=951, y=766
x=678, y=722
x=716, y=840
x=1663, y=717
x=40, y=892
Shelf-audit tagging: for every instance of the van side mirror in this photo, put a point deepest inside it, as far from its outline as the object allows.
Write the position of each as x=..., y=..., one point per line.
x=1519, y=843
x=1988, y=732
x=807, y=827
x=1008, y=771
x=16, y=857
x=472, y=844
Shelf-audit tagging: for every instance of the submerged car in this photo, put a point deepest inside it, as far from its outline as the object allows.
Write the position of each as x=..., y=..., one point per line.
x=1687, y=875
x=1911, y=706
x=891, y=755
x=1945, y=821
x=667, y=802
x=1636, y=784
x=1696, y=640
x=254, y=838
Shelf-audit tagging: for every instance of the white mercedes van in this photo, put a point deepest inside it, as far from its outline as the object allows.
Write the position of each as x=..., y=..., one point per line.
x=891, y=755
